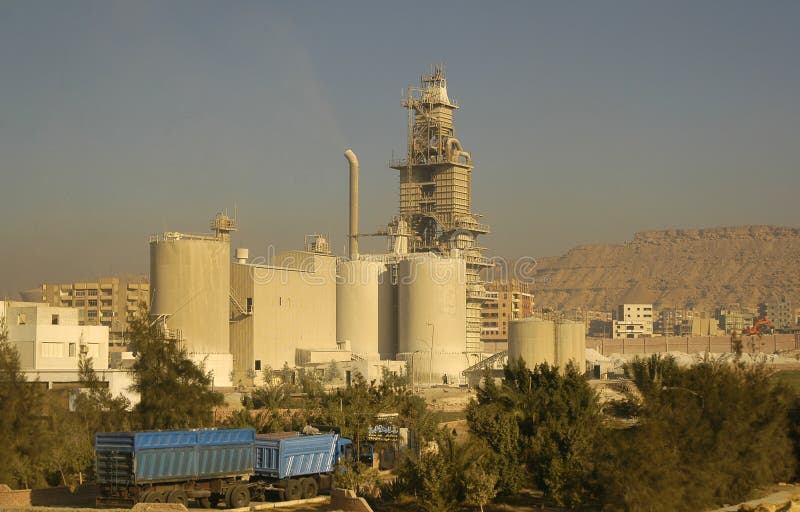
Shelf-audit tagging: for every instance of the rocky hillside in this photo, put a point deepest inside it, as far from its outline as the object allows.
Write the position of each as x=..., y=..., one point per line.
x=705, y=267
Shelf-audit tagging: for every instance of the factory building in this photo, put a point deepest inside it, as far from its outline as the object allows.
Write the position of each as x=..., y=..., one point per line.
x=418, y=303
x=283, y=311
x=436, y=193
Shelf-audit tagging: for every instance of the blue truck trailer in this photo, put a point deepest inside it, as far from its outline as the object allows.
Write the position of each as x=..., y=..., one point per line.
x=174, y=466
x=212, y=466
x=296, y=466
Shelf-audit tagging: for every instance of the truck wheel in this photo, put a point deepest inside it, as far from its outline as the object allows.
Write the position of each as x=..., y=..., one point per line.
x=204, y=502
x=156, y=497
x=239, y=497
x=293, y=490
x=178, y=496
x=310, y=487
x=144, y=497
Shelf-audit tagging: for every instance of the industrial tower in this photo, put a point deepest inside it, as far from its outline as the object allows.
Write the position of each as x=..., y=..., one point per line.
x=435, y=191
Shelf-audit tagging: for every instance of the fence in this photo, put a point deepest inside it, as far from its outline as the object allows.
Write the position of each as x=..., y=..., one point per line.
x=690, y=344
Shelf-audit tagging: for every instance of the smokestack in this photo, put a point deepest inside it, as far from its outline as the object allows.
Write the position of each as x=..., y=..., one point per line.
x=351, y=157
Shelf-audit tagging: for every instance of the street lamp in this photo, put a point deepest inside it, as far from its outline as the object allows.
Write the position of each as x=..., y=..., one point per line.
x=412, y=367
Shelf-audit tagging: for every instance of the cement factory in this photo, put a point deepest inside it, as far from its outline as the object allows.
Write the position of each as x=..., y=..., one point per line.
x=415, y=308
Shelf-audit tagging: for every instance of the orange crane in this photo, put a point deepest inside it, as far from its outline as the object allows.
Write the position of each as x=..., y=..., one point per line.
x=757, y=327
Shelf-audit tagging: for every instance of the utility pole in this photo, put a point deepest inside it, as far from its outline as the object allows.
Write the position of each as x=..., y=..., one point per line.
x=430, y=364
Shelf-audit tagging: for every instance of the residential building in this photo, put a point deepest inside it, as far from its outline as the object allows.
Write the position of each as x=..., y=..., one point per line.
x=50, y=342
x=108, y=301
x=735, y=318
x=780, y=313
x=670, y=321
x=506, y=300
x=633, y=321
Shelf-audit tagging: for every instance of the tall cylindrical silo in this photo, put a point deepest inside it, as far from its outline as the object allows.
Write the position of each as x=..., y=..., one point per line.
x=387, y=314
x=579, y=347
x=190, y=287
x=357, y=306
x=569, y=337
x=432, y=316
x=533, y=340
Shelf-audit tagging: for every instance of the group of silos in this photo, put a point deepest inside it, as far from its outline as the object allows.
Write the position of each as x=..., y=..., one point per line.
x=412, y=309
x=555, y=342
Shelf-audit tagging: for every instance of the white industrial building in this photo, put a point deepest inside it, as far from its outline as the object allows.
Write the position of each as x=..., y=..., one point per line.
x=50, y=342
x=283, y=310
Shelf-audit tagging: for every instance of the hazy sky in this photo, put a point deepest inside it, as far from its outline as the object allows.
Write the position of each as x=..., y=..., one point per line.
x=587, y=121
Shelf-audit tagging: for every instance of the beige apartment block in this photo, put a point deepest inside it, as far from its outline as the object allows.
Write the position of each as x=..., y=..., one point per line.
x=633, y=321
x=108, y=301
x=506, y=301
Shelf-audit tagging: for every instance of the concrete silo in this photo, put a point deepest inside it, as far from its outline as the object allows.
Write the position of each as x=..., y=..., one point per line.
x=570, y=340
x=365, y=309
x=533, y=340
x=432, y=317
x=190, y=287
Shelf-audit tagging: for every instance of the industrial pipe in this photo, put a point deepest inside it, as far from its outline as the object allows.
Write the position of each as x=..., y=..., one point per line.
x=455, y=151
x=351, y=157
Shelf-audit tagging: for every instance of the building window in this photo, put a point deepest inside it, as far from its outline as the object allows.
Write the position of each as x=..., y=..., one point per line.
x=106, y=291
x=72, y=350
x=108, y=314
x=105, y=303
x=258, y=364
x=249, y=305
x=92, y=293
x=92, y=314
x=54, y=320
x=80, y=293
x=93, y=303
x=80, y=303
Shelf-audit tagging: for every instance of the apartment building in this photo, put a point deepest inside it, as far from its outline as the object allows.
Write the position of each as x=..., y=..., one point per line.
x=506, y=300
x=108, y=301
x=780, y=313
x=633, y=321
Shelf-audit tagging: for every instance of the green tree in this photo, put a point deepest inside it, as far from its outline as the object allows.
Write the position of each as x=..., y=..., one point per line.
x=545, y=418
x=709, y=434
x=480, y=484
x=21, y=421
x=174, y=391
x=95, y=406
x=448, y=474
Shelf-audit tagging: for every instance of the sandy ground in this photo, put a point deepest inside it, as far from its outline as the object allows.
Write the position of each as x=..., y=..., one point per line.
x=779, y=493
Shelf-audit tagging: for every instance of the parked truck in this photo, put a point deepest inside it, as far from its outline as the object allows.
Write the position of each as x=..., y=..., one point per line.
x=214, y=466
x=296, y=466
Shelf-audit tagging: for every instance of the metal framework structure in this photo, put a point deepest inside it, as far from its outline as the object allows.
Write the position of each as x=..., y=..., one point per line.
x=435, y=191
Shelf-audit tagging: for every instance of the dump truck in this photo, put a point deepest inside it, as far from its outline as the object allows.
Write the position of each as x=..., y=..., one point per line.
x=210, y=467
x=295, y=466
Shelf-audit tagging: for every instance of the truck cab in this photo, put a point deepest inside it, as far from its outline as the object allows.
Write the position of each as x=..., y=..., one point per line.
x=344, y=449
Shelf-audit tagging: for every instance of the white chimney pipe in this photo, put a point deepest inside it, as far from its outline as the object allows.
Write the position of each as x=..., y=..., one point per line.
x=351, y=157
